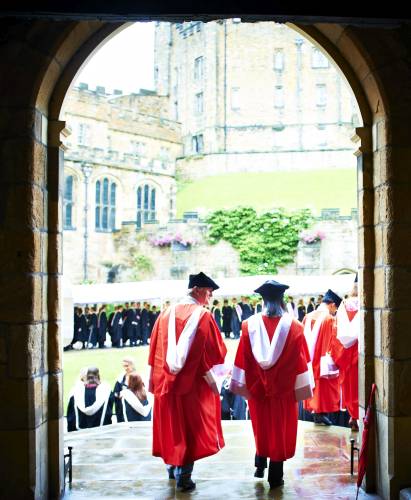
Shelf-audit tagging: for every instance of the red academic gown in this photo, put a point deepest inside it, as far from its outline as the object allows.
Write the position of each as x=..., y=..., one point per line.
x=187, y=411
x=271, y=393
x=347, y=361
x=326, y=398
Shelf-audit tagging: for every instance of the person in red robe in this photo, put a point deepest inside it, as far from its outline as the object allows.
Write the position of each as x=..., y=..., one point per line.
x=187, y=363
x=271, y=370
x=344, y=351
x=320, y=330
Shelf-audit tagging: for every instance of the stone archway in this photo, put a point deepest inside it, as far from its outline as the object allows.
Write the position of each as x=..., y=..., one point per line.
x=40, y=59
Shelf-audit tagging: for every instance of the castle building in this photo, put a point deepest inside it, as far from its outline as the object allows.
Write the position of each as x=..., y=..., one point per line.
x=119, y=169
x=229, y=97
x=253, y=97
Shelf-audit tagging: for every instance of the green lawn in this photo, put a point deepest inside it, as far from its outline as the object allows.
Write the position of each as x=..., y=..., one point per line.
x=314, y=189
x=109, y=363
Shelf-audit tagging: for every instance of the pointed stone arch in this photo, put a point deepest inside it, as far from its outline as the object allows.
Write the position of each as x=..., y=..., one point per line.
x=39, y=60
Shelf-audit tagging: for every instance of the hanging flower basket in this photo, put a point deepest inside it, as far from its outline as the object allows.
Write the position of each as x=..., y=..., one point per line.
x=311, y=237
x=176, y=241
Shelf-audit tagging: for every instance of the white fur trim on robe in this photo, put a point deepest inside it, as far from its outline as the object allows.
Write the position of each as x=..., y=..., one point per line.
x=177, y=352
x=311, y=334
x=304, y=384
x=347, y=331
x=135, y=403
x=266, y=353
x=103, y=391
x=238, y=384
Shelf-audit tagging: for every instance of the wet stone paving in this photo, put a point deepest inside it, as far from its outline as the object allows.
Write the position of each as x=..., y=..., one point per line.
x=115, y=462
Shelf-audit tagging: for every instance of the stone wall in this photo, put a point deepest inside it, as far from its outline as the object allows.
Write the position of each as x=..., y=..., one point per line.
x=298, y=113
x=338, y=251
x=38, y=61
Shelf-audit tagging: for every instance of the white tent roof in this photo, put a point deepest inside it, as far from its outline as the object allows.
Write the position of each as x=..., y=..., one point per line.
x=161, y=290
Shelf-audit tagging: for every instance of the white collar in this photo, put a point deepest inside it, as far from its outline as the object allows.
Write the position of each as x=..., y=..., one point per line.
x=311, y=334
x=177, y=352
x=266, y=353
x=347, y=331
x=102, y=395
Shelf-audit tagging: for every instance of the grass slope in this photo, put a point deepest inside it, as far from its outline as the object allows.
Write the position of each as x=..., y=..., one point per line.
x=315, y=189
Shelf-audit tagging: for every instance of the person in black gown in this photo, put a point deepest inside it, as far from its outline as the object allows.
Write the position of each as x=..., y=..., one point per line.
x=122, y=383
x=90, y=403
x=227, y=313
x=134, y=402
x=216, y=311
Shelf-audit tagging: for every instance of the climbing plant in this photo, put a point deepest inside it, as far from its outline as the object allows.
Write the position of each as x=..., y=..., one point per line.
x=264, y=241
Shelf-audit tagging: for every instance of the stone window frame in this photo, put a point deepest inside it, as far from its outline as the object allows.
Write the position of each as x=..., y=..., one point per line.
x=279, y=60
x=105, y=205
x=198, y=73
x=146, y=204
x=321, y=95
x=197, y=144
x=318, y=59
x=199, y=103
x=69, y=202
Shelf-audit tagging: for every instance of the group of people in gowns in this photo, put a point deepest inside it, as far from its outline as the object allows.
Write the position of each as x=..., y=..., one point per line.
x=128, y=324
x=91, y=401
x=187, y=362
x=279, y=362
x=331, y=333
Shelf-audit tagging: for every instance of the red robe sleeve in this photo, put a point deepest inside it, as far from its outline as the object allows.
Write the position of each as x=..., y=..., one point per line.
x=152, y=352
x=304, y=382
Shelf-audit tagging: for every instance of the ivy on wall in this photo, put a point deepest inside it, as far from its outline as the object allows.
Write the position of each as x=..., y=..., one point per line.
x=264, y=241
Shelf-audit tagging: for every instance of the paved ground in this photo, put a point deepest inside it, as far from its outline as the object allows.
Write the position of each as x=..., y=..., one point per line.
x=115, y=462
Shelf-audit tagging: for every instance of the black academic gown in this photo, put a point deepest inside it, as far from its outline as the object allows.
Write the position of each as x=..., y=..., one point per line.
x=226, y=397
x=145, y=325
x=247, y=311
x=239, y=408
x=227, y=314
x=129, y=326
x=217, y=316
x=128, y=414
x=116, y=330
x=138, y=332
x=235, y=324
x=76, y=329
x=93, y=330
x=83, y=329
x=79, y=420
x=118, y=387
x=102, y=328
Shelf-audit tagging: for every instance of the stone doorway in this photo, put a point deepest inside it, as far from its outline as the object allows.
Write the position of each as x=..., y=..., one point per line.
x=46, y=55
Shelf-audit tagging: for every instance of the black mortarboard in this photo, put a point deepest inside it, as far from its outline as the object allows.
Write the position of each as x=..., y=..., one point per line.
x=271, y=289
x=201, y=280
x=330, y=296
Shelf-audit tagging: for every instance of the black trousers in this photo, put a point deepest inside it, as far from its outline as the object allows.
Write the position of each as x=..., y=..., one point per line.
x=275, y=470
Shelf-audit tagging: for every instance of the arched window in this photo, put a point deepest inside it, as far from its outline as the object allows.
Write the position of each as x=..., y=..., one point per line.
x=68, y=203
x=146, y=205
x=105, y=205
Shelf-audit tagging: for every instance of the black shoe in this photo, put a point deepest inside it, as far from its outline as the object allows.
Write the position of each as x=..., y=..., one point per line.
x=68, y=348
x=276, y=484
x=259, y=472
x=187, y=486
